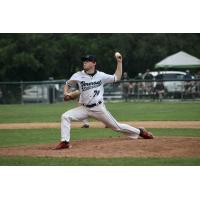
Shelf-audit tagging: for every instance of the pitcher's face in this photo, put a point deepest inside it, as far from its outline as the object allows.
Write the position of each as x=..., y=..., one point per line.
x=88, y=65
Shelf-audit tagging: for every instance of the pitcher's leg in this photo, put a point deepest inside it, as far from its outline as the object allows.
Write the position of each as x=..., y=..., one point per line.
x=76, y=114
x=131, y=131
x=104, y=116
x=101, y=114
x=119, y=127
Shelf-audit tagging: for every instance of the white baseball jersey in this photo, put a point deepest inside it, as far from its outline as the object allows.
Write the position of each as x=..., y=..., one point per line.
x=91, y=87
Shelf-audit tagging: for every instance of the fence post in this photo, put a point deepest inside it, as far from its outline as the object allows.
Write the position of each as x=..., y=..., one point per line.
x=51, y=91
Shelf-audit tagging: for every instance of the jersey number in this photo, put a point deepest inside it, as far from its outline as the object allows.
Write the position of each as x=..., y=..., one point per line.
x=96, y=93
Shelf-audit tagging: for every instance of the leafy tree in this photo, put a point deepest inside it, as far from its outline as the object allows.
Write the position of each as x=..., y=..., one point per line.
x=31, y=57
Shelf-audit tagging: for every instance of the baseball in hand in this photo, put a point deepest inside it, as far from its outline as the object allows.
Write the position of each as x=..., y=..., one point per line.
x=117, y=55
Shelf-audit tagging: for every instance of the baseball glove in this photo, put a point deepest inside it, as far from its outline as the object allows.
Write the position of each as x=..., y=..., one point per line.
x=72, y=95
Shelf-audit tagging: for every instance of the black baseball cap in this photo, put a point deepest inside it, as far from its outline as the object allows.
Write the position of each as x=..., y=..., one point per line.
x=91, y=58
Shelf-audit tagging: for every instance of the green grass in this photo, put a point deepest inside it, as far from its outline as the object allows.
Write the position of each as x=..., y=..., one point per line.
x=33, y=112
x=47, y=161
x=18, y=137
x=39, y=136
x=186, y=132
x=156, y=111
x=184, y=111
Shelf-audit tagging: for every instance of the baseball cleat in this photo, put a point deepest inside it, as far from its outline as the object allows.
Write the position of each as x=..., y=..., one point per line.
x=63, y=145
x=85, y=126
x=145, y=134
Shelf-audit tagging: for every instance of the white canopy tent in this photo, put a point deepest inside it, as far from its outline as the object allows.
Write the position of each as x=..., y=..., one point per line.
x=179, y=60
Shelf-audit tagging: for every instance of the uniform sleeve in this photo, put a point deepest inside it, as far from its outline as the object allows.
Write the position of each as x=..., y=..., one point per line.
x=74, y=77
x=107, y=78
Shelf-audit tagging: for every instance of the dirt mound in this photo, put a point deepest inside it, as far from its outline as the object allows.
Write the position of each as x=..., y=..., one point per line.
x=114, y=147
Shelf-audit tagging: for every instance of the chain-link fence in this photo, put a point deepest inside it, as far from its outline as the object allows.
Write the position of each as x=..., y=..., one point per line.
x=31, y=92
x=161, y=89
x=52, y=91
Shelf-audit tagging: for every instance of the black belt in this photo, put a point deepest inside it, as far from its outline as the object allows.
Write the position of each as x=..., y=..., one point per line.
x=92, y=105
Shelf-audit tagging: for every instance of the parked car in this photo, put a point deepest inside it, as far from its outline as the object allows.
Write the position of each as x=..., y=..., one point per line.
x=35, y=93
x=172, y=80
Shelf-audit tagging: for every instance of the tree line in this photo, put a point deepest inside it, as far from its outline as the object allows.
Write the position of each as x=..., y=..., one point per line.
x=38, y=56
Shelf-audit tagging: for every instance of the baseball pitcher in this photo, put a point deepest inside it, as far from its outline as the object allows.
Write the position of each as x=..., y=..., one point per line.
x=91, y=88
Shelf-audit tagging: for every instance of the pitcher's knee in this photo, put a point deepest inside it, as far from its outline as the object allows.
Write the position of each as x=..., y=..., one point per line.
x=65, y=116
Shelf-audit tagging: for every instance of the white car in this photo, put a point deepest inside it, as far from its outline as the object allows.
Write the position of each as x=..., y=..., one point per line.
x=172, y=80
x=35, y=93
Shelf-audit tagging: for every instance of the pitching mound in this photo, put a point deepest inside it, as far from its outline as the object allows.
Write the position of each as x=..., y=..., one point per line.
x=114, y=147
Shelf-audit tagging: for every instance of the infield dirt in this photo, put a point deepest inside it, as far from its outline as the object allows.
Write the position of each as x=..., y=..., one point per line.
x=114, y=147
x=146, y=124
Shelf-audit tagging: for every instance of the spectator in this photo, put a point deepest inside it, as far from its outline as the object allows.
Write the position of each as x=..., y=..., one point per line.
x=159, y=76
x=139, y=86
x=188, y=82
x=125, y=86
x=188, y=76
x=148, y=76
x=159, y=90
x=131, y=89
x=149, y=82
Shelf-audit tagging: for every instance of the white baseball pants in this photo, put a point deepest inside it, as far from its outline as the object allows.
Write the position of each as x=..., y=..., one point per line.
x=98, y=112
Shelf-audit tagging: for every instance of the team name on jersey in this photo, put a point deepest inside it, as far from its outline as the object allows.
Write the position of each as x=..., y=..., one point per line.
x=87, y=86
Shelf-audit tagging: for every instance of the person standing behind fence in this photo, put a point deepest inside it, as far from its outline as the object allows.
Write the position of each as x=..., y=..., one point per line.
x=139, y=86
x=125, y=86
x=149, y=82
x=159, y=90
x=188, y=82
